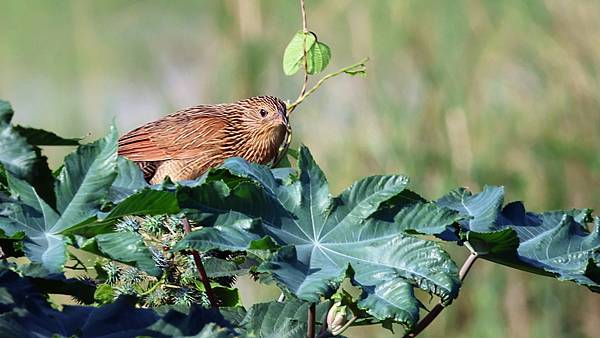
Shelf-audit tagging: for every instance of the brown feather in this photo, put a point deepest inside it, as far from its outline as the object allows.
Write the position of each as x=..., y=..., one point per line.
x=185, y=144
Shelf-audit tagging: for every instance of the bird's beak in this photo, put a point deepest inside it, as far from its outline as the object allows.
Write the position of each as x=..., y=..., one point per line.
x=282, y=116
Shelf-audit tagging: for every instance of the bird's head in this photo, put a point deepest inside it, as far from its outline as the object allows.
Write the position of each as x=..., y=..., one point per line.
x=264, y=111
x=265, y=118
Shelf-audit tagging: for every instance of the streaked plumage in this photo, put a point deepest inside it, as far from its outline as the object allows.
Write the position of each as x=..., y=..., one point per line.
x=187, y=143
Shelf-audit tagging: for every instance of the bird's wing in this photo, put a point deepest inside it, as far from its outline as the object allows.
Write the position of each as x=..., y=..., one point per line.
x=186, y=134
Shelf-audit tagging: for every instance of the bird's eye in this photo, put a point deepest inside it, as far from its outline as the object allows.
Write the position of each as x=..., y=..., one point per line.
x=263, y=113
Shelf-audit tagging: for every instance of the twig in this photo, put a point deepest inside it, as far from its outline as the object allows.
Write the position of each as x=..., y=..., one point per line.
x=283, y=150
x=203, y=276
x=312, y=313
x=358, y=66
x=464, y=270
x=305, y=33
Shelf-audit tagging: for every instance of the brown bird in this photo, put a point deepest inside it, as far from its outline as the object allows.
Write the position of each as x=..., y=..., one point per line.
x=187, y=143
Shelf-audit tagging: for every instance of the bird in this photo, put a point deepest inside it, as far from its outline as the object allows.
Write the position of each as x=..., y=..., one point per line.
x=185, y=144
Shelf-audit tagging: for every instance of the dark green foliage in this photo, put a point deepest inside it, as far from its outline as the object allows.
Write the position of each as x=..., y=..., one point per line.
x=285, y=320
x=325, y=239
x=79, y=190
x=22, y=159
x=24, y=312
x=279, y=225
x=558, y=243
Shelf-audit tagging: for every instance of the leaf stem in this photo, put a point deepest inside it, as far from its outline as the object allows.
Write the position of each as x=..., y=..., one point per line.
x=464, y=270
x=312, y=313
x=203, y=276
x=358, y=66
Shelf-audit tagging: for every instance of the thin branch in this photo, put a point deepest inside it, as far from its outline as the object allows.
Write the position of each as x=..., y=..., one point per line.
x=312, y=313
x=283, y=150
x=356, y=67
x=464, y=270
x=303, y=9
x=305, y=31
x=203, y=276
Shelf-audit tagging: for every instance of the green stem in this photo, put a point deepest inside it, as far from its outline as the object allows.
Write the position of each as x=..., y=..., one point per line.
x=358, y=66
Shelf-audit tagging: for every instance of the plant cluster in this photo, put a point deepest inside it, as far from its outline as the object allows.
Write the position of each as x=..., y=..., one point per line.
x=165, y=257
x=354, y=259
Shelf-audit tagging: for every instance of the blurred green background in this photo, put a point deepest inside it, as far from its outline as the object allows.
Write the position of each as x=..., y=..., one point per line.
x=459, y=93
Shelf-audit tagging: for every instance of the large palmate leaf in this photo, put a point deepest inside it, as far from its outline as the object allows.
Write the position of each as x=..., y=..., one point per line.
x=551, y=243
x=280, y=320
x=22, y=159
x=326, y=239
x=80, y=189
x=130, y=179
x=41, y=137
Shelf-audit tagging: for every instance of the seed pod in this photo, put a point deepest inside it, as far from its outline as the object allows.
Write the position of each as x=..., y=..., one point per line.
x=336, y=318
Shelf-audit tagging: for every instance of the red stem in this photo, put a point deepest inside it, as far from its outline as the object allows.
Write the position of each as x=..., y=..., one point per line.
x=312, y=313
x=203, y=276
x=464, y=270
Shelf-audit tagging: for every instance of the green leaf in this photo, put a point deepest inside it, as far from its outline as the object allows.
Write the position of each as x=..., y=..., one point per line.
x=358, y=70
x=145, y=202
x=318, y=58
x=285, y=320
x=549, y=243
x=40, y=137
x=130, y=179
x=104, y=294
x=325, y=236
x=217, y=267
x=36, y=219
x=23, y=160
x=191, y=322
x=293, y=56
x=129, y=248
x=228, y=296
x=318, y=54
x=81, y=186
x=85, y=180
x=482, y=208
